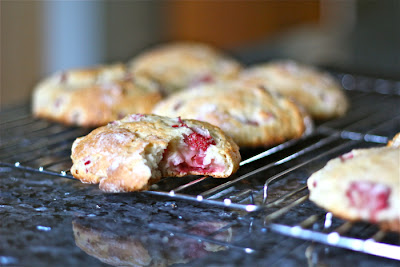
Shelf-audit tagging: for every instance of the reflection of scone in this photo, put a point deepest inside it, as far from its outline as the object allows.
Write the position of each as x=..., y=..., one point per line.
x=132, y=153
x=91, y=97
x=363, y=184
x=251, y=115
x=176, y=66
x=318, y=92
x=140, y=250
x=117, y=251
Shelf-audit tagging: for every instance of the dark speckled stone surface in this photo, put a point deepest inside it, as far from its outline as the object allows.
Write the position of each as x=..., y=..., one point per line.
x=52, y=221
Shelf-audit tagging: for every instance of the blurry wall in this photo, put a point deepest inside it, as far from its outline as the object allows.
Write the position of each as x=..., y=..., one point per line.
x=41, y=37
x=230, y=24
x=21, y=53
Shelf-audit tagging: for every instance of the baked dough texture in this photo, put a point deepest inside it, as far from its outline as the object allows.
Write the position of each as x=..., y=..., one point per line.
x=92, y=97
x=363, y=184
x=137, y=151
x=318, y=92
x=251, y=115
x=175, y=66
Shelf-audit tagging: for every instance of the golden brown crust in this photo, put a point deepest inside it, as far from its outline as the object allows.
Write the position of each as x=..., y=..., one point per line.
x=91, y=97
x=176, y=66
x=319, y=93
x=251, y=115
x=137, y=151
x=362, y=174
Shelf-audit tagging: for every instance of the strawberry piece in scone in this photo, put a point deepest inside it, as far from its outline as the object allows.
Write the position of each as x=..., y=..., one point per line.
x=137, y=151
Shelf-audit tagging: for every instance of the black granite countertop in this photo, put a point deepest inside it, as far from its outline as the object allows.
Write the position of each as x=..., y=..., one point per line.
x=50, y=221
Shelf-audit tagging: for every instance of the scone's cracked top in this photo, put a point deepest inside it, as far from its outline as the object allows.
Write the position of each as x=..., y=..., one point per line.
x=137, y=151
x=176, y=66
x=319, y=93
x=92, y=96
x=252, y=115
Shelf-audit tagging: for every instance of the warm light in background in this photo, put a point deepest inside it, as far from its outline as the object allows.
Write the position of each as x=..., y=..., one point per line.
x=41, y=37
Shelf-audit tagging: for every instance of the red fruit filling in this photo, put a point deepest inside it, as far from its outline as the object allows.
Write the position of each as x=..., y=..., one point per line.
x=368, y=196
x=182, y=124
x=346, y=156
x=192, y=157
x=198, y=142
x=87, y=162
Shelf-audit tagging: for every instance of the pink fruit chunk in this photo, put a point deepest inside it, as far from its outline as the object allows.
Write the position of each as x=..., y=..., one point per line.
x=198, y=142
x=368, y=196
x=346, y=156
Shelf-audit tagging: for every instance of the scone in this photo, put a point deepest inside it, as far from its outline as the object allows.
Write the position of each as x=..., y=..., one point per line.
x=363, y=184
x=92, y=96
x=319, y=93
x=251, y=115
x=137, y=151
x=175, y=66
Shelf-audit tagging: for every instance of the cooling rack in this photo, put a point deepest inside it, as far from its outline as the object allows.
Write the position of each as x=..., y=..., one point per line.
x=271, y=182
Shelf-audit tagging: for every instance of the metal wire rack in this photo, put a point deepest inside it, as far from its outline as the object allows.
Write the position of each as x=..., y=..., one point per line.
x=271, y=182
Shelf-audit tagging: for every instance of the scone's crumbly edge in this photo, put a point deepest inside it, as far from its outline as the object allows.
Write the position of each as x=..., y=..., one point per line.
x=137, y=151
x=363, y=184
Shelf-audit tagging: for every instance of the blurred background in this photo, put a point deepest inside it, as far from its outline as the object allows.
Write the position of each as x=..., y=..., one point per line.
x=41, y=37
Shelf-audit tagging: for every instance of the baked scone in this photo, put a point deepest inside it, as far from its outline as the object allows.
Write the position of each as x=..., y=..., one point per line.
x=92, y=96
x=175, y=66
x=395, y=142
x=251, y=115
x=319, y=93
x=363, y=184
x=137, y=151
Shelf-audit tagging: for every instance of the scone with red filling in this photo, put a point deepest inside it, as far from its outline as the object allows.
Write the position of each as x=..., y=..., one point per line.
x=137, y=151
x=92, y=96
x=251, y=115
x=363, y=184
x=318, y=92
x=175, y=66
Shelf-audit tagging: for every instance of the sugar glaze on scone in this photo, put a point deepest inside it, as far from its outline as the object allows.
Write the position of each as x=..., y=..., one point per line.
x=92, y=96
x=251, y=115
x=176, y=66
x=363, y=184
x=319, y=93
x=137, y=151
